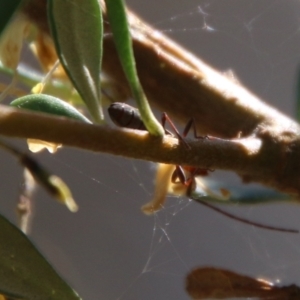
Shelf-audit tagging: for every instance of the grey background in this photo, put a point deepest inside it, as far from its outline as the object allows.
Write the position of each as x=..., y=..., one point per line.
x=109, y=249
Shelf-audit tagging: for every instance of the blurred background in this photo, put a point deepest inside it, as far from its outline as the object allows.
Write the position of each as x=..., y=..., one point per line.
x=109, y=249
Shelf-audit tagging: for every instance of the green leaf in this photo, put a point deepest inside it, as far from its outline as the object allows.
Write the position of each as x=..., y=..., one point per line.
x=77, y=30
x=7, y=9
x=119, y=25
x=49, y=104
x=24, y=272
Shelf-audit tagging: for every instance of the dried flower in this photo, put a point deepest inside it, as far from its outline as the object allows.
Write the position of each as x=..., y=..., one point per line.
x=11, y=41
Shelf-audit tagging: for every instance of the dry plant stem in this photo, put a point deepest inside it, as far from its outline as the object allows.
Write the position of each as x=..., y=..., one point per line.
x=249, y=157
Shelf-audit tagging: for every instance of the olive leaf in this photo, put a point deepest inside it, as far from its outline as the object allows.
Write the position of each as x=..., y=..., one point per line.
x=24, y=272
x=8, y=7
x=77, y=30
x=119, y=25
x=49, y=104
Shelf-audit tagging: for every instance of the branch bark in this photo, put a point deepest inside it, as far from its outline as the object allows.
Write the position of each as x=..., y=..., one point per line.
x=254, y=140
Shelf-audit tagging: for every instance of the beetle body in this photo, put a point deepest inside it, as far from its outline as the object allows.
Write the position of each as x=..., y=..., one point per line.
x=126, y=116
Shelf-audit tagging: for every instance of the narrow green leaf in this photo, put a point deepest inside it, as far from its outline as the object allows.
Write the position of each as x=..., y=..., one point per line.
x=7, y=9
x=119, y=25
x=49, y=104
x=24, y=272
x=77, y=30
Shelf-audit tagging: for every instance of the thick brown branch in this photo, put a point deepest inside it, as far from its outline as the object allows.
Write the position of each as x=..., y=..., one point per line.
x=253, y=158
x=184, y=86
x=180, y=83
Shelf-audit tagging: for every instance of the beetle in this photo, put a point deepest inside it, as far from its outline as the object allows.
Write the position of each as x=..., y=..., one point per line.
x=126, y=116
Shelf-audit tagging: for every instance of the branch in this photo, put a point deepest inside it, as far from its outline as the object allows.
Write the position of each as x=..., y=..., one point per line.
x=179, y=83
x=268, y=147
x=184, y=86
x=253, y=158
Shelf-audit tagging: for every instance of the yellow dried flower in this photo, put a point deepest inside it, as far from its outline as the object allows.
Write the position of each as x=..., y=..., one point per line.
x=11, y=41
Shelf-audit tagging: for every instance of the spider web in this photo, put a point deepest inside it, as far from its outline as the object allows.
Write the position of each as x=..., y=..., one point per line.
x=132, y=256
x=109, y=249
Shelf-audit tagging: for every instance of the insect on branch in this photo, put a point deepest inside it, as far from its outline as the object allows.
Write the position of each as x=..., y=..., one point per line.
x=182, y=85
